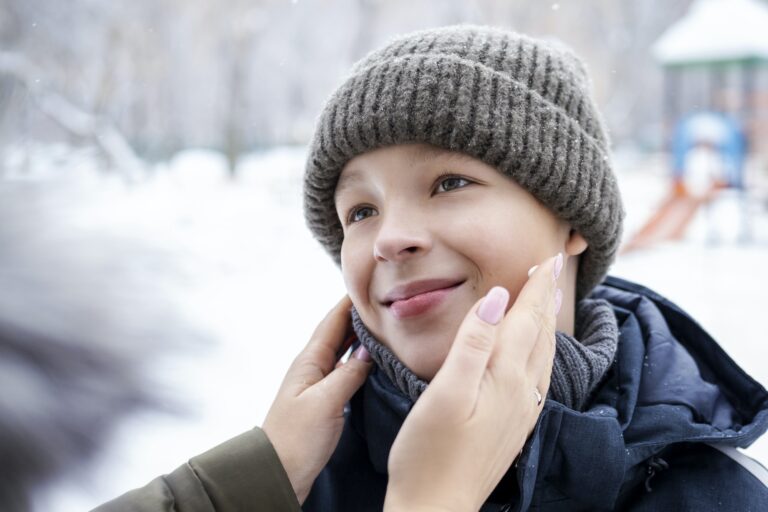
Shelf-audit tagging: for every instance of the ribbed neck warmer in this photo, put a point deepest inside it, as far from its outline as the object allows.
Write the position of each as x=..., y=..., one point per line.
x=578, y=367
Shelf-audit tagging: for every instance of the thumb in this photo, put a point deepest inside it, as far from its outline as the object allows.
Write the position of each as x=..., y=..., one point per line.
x=344, y=380
x=468, y=358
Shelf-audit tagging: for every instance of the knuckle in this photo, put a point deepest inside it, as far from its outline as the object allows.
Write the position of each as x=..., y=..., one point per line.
x=349, y=369
x=477, y=340
x=539, y=317
x=298, y=362
x=515, y=375
x=311, y=351
x=353, y=370
x=545, y=333
x=548, y=331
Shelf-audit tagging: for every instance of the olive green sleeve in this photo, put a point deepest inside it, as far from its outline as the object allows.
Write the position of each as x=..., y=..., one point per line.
x=242, y=474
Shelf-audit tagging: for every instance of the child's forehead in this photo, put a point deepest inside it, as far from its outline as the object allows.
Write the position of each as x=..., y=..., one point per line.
x=413, y=154
x=418, y=157
x=425, y=152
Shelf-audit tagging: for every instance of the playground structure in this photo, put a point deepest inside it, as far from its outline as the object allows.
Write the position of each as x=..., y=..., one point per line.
x=715, y=64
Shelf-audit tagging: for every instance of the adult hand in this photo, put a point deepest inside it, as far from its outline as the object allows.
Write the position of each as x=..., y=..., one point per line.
x=472, y=421
x=306, y=419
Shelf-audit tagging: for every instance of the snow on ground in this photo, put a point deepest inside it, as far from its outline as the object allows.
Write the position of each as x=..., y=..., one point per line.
x=252, y=277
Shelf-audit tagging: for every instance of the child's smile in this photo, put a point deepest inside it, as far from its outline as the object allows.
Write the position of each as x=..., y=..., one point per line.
x=426, y=234
x=418, y=297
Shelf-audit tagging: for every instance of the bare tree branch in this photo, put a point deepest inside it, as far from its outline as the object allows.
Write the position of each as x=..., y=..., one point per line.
x=73, y=119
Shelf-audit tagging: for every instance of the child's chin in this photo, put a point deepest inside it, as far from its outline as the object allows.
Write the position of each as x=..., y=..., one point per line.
x=426, y=361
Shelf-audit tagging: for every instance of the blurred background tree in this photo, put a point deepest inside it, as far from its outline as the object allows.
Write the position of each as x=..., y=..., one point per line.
x=148, y=78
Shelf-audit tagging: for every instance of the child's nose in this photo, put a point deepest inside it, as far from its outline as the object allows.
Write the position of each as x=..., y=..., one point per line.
x=401, y=237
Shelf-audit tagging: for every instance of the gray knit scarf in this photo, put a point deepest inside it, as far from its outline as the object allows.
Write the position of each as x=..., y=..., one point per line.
x=578, y=366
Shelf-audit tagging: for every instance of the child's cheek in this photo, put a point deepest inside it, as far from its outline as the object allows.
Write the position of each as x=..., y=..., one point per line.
x=356, y=272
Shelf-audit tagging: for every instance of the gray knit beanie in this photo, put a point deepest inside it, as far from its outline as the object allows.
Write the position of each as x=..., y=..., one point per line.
x=518, y=104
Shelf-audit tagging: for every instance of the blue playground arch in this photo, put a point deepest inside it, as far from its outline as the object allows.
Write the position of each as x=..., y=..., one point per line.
x=718, y=130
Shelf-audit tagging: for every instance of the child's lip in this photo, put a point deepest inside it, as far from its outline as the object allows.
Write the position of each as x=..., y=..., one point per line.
x=421, y=303
x=409, y=290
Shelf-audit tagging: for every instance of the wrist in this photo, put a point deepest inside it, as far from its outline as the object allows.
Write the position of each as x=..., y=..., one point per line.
x=297, y=475
x=293, y=468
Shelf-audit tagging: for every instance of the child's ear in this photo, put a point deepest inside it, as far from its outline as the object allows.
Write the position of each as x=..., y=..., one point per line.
x=575, y=244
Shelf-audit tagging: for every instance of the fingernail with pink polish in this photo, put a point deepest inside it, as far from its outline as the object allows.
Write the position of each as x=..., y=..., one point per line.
x=362, y=354
x=558, y=264
x=492, y=308
x=558, y=300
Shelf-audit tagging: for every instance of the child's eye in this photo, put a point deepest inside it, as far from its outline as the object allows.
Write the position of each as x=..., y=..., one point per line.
x=450, y=182
x=359, y=213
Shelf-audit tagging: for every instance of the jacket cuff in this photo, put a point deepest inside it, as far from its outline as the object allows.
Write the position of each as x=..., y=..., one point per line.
x=245, y=473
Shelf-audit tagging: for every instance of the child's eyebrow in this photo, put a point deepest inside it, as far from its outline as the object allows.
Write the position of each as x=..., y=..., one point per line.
x=430, y=152
x=347, y=180
x=351, y=177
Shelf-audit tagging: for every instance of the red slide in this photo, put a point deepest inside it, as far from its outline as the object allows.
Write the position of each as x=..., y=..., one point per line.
x=671, y=219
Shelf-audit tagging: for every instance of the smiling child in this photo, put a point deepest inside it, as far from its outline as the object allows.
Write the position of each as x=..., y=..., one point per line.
x=451, y=161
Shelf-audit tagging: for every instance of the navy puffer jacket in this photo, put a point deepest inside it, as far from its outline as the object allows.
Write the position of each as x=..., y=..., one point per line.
x=659, y=434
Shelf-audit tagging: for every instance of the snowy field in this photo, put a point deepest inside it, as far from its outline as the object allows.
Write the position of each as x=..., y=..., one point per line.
x=248, y=274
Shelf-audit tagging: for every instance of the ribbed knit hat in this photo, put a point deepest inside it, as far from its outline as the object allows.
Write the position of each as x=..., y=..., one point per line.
x=518, y=104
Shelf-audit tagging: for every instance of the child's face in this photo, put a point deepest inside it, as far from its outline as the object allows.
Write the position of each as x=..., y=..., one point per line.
x=413, y=213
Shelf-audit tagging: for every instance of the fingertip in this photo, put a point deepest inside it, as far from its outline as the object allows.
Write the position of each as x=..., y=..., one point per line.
x=491, y=309
x=360, y=365
x=539, y=292
x=362, y=354
x=558, y=264
x=345, y=380
x=544, y=276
